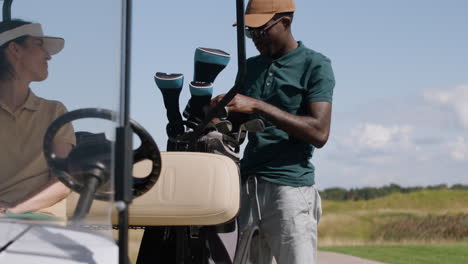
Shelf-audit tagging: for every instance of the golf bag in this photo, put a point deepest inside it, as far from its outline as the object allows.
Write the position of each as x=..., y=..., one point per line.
x=192, y=244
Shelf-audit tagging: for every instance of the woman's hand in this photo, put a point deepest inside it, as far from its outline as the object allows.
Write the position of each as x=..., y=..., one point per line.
x=52, y=194
x=3, y=210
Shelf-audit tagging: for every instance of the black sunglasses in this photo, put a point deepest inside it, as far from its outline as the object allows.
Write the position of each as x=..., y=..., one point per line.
x=260, y=32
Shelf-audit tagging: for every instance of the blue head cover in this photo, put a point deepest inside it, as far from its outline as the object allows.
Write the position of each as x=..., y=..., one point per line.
x=170, y=86
x=209, y=63
x=201, y=89
x=169, y=80
x=212, y=56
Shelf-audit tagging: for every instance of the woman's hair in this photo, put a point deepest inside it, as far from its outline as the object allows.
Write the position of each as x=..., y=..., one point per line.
x=6, y=70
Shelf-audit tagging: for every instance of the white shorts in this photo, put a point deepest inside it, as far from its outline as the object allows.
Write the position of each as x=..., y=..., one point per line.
x=287, y=219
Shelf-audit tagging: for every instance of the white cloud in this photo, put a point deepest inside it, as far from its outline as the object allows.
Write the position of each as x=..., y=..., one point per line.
x=455, y=99
x=459, y=149
x=413, y=140
x=382, y=145
x=373, y=143
x=378, y=137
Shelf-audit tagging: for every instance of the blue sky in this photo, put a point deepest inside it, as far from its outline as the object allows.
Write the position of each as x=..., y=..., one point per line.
x=400, y=112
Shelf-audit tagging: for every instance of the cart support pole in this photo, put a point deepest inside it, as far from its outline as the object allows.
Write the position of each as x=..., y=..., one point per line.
x=7, y=10
x=124, y=146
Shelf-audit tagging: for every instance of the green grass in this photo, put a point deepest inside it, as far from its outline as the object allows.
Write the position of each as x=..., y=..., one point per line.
x=408, y=254
x=430, y=227
x=426, y=201
x=347, y=226
x=363, y=222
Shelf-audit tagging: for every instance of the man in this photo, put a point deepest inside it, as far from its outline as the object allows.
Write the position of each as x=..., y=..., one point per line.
x=290, y=88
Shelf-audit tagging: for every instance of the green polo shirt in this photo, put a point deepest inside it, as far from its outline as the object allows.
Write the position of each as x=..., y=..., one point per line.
x=300, y=77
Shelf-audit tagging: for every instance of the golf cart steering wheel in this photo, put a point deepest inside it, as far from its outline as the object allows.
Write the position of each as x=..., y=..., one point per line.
x=95, y=158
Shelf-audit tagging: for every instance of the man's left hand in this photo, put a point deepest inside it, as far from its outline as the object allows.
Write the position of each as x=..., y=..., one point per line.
x=240, y=103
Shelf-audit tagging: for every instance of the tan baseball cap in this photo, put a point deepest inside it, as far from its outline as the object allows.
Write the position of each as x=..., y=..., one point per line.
x=259, y=12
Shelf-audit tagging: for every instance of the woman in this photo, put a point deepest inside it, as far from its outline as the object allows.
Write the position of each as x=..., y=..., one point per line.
x=26, y=184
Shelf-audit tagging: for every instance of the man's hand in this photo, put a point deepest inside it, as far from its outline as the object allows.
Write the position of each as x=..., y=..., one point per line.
x=239, y=104
x=313, y=128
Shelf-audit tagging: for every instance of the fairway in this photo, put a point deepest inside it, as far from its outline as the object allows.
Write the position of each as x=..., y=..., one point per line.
x=408, y=254
x=419, y=217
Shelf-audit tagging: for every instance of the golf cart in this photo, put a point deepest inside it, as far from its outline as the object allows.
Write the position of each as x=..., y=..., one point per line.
x=168, y=200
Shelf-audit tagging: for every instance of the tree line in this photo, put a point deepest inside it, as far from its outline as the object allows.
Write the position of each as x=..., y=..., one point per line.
x=367, y=193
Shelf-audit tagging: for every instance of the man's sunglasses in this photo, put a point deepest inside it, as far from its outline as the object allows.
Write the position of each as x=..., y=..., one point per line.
x=260, y=32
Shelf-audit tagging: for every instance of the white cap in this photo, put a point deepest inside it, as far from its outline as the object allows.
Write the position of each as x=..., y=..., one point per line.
x=53, y=45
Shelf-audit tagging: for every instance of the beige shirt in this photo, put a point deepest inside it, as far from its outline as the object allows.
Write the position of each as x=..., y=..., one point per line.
x=23, y=168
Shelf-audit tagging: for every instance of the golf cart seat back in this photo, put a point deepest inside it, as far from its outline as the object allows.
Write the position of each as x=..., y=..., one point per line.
x=193, y=189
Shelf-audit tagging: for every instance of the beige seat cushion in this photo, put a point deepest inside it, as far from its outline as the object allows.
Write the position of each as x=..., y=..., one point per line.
x=193, y=189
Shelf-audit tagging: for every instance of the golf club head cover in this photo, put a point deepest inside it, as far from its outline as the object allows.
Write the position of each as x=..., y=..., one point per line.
x=171, y=86
x=209, y=63
x=201, y=95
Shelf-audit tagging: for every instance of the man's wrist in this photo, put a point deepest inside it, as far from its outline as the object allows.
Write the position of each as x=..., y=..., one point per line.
x=258, y=107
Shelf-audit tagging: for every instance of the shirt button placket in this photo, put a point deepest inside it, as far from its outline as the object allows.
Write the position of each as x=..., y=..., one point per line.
x=269, y=80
